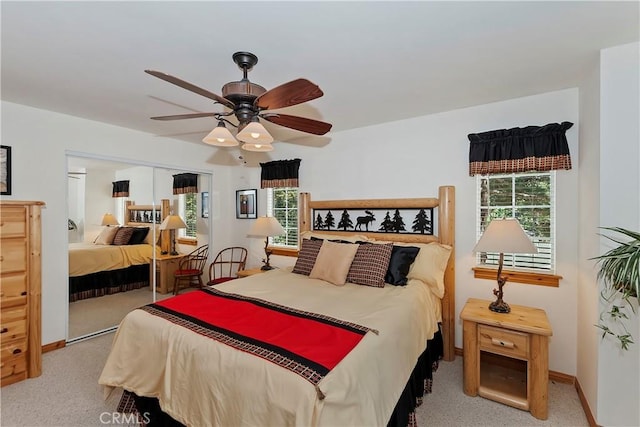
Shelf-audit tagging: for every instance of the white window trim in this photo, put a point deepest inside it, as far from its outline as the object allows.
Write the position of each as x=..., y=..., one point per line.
x=552, y=213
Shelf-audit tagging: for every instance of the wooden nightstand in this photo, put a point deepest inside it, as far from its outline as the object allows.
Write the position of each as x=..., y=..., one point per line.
x=250, y=272
x=506, y=356
x=166, y=265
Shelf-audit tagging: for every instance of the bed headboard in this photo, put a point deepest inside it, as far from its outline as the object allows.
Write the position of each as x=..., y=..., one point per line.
x=444, y=205
x=139, y=215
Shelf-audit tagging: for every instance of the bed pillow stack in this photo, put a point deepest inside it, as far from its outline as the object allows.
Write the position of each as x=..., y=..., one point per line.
x=339, y=261
x=373, y=263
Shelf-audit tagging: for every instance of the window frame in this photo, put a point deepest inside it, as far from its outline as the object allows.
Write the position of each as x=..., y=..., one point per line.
x=516, y=272
x=279, y=248
x=183, y=233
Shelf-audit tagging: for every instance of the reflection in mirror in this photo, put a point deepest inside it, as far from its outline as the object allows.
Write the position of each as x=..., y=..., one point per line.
x=112, y=257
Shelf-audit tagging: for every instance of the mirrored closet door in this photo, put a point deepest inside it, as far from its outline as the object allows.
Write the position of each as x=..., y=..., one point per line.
x=120, y=255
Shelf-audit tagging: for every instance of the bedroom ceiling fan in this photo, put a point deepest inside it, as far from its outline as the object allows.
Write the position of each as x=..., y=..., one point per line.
x=249, y=102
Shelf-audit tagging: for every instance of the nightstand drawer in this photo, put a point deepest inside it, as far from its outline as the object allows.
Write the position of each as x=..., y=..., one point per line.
x=504, y=341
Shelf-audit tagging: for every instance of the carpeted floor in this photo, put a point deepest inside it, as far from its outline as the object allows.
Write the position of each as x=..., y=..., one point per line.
x=68, y=394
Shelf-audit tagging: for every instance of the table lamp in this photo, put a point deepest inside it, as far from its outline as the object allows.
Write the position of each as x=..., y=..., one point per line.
x=266, y=226
x=172, y=223
x=504, y=235
x=108, y=219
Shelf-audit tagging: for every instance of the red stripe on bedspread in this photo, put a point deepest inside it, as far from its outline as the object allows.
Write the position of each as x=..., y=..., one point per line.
x=317, y=340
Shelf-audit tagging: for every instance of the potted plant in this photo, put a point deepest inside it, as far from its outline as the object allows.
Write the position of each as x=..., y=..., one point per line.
x=620, y=274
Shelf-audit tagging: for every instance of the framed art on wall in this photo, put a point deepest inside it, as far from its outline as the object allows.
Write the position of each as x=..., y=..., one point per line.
x=5, y=170
x=247, y=204
x=205, y=204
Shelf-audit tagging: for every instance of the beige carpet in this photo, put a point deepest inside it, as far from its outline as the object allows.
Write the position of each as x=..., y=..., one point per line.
x=68, y=394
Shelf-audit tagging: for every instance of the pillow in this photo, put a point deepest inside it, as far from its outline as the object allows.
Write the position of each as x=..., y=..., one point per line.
x=123, y=235
x=333, y=262
x=138, y=236
x=430, y=265
x=106, y=236
x=402, y=258
x=149, y=237
x=326, y=236
x=370, y=264
x=307, y=256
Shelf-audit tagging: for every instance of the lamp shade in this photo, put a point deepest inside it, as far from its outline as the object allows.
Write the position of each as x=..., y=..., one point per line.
x=506, y=236
x=266, y=226
x=220, y=136
x=172, y=222
x=254, y=133
x=109, y=219
x=257, y=147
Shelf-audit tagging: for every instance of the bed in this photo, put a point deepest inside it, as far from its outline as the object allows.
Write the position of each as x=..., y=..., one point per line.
x=103, y=268
x=321, y=355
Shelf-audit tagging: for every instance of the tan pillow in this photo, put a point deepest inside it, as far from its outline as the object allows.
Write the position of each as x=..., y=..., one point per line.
x=430, y=265
x=106, y=236
x=333, y=262
x=149, y=239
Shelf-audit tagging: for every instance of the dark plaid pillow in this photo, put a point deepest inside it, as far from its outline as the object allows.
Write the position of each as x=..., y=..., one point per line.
x=123, y=235
x=307, y=256
x=370, y=264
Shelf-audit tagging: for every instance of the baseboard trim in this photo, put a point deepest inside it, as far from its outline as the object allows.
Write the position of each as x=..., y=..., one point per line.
x=53, y=346
x=585, y=406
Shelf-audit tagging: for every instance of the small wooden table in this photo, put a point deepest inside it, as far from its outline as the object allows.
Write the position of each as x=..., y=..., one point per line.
x=250, y=272
x=166, y=265
x=506, y=355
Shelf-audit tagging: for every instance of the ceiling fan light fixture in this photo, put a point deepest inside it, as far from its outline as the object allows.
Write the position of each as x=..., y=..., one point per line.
x=255, y=133
x=220, y=136
x=257, y=147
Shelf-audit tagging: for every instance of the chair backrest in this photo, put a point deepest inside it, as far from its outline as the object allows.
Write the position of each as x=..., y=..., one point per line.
x=196, y=260
x=228, y=262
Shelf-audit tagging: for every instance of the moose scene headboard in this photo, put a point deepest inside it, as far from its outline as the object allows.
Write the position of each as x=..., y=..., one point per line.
x=391, y=219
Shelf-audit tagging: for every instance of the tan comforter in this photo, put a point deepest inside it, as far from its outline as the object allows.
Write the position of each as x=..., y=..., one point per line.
x=87, y=258
x=201, y=382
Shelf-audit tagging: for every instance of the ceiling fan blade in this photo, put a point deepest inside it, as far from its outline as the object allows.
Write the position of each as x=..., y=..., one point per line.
x=293, y=93
x=193, y=88
x=299, y=123
x=184, y=116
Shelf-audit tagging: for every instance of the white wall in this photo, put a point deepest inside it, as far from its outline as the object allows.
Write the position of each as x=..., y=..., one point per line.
x=618, y=370
x=411, y=158
x=40, y=141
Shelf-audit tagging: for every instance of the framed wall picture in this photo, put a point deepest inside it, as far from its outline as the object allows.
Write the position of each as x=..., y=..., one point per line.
x=205, y=204
x=5, y=170
x=247, y=204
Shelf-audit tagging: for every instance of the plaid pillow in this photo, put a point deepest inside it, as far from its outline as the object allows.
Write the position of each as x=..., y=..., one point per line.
x=369, y=266
x=123, y=235
x=307, y=256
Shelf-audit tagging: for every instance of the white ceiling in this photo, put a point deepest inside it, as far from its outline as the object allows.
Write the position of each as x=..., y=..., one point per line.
x=375, y=61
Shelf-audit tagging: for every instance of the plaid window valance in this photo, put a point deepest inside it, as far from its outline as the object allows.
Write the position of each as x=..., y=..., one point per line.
x=120, y=189
x=185, y=183
x=532, y=148
x=280, y=173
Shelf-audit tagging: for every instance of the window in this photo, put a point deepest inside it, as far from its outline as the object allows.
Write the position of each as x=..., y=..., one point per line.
x=188, y=211
x=282, y=203
x=528, y=197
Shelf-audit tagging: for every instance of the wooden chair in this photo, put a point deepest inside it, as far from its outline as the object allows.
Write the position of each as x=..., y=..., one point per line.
x=226, y=264
x=190, y=269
